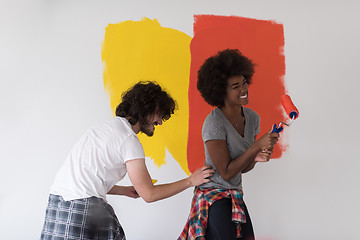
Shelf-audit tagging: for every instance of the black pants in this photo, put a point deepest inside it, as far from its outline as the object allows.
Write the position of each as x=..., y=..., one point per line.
x=221, y=227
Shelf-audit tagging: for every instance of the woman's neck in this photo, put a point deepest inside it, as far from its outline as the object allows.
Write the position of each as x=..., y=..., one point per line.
x=232, y=112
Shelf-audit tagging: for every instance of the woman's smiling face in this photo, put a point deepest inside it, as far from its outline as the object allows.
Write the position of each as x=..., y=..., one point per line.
x=237, y=91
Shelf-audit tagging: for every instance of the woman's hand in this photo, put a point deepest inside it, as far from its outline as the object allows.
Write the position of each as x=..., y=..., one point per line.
x=267, y=141
x=264, y=155
x=201, y=175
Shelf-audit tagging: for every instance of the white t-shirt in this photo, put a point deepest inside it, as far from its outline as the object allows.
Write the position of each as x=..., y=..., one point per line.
x=97, y=161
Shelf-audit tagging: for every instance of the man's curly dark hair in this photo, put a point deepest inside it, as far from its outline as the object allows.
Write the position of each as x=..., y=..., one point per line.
x=142, y=100
x=216, y=70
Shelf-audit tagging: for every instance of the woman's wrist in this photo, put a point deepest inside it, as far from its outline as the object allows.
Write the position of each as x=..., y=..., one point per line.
x=255, y=148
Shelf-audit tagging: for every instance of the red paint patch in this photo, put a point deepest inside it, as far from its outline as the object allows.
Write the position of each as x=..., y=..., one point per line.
x=262, y=42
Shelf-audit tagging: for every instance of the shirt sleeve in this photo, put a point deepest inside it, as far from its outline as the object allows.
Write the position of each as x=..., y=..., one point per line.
x=213, y=129
x=132, y=149
x=257, y=124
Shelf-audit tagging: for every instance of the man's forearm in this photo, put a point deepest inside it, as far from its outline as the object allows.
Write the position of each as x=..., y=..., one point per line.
x=116, y=190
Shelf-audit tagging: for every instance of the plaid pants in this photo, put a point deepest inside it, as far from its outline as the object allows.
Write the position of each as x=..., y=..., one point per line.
x=87, y=218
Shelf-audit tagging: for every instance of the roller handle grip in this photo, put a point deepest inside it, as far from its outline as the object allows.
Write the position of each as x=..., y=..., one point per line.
x=277, y=130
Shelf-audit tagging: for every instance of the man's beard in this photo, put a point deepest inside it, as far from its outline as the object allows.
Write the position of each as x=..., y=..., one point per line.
x=144, y=129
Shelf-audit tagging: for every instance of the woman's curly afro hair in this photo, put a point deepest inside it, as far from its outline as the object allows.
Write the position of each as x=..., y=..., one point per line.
x=216, y=70
x=143, y=100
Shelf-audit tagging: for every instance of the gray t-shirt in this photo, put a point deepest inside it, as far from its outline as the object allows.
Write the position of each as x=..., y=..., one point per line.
x=217, y=127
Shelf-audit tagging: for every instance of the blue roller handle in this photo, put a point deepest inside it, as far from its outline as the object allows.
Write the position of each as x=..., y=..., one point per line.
x=277, y=130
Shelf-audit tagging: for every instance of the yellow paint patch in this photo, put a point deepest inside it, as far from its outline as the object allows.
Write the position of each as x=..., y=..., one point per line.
x=144, y=50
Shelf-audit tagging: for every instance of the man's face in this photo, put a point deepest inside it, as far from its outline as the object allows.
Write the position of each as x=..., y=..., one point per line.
x=153, y=120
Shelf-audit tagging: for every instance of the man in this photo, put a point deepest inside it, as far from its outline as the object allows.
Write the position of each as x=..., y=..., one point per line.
x=77, y=207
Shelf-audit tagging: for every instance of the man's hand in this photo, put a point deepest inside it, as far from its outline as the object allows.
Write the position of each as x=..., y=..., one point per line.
x=201, y=175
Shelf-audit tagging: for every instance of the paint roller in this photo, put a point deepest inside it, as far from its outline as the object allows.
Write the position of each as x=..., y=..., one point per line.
x=290, y=110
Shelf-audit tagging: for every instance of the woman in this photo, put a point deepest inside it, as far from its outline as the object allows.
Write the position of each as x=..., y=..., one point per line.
x=229, y=133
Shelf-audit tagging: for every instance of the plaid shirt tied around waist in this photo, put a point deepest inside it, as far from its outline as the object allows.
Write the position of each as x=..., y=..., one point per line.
x=203, y=198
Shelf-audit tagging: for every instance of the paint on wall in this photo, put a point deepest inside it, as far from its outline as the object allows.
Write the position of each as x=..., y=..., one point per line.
x=262, y=42
x=144, y=50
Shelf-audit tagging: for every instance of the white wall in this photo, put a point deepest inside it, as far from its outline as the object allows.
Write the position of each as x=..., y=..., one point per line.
x=51, y=91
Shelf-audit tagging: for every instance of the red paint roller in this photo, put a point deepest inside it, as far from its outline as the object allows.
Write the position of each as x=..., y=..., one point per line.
x=290, y=110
